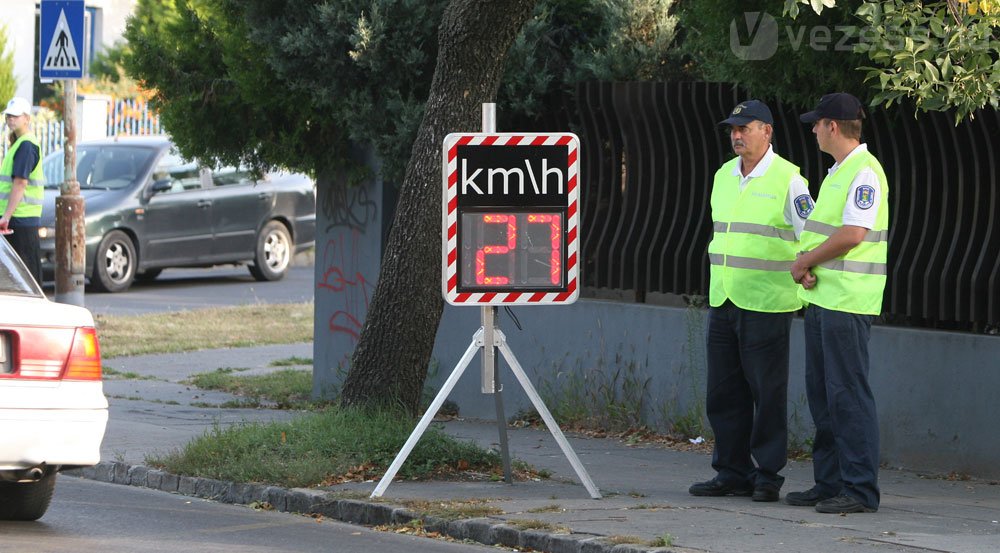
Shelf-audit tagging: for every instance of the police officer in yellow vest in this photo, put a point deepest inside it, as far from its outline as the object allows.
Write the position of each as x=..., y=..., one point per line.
x=842, y=271
x=21, y=187
x=759, y=205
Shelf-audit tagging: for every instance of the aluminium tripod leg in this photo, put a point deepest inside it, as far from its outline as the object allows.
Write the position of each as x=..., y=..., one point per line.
x=536, y=400
x=425, y=421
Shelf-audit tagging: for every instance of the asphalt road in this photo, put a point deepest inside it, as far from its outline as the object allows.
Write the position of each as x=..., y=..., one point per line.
x=93, y=517
x=182, y=289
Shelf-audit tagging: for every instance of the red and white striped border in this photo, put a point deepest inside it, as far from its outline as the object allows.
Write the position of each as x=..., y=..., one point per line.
x=449, y=219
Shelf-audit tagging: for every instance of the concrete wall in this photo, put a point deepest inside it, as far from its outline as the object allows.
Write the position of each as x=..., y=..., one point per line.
x=349, y=242
x=935, y=391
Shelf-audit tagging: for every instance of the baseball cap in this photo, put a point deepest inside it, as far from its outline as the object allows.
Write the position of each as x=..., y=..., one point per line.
x=839, y=105
x=745, y=112
x=18, y=106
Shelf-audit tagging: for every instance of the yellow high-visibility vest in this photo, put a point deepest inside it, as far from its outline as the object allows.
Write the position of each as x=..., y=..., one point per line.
x=753, y=247
x=31, y=202
x=854, y=282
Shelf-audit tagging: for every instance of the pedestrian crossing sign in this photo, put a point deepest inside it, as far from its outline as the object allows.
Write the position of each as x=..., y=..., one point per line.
x=61, y=39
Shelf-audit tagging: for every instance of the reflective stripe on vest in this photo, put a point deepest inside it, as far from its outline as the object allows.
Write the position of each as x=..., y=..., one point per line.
x=753, y=247
x=34, y=194
x=749, y=263
x=854, y=282
x=828, y=230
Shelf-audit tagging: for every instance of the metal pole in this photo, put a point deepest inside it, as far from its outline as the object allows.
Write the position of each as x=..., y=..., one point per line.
x=70, y=227
x=490, y=376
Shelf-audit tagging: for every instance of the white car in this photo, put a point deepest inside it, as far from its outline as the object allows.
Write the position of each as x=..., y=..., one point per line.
x=52, y=406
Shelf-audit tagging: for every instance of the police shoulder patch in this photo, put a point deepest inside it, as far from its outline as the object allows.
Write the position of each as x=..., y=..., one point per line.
x=864, y=197
x=803, y=205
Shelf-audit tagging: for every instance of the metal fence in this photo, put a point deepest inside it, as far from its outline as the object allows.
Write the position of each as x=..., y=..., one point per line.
x=650, y=153
x=132, y=116
x=126, y=117
x=49, y=134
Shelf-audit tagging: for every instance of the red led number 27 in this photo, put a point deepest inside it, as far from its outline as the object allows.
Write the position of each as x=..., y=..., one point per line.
x=510, y=220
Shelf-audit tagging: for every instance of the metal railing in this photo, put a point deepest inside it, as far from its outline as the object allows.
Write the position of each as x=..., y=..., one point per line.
x=49, y=134
x=132, y=116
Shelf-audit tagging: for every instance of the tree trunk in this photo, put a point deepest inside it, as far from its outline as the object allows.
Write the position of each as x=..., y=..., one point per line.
x=389, y=364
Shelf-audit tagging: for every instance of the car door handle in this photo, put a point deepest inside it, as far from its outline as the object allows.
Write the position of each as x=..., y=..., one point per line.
x=264, y=196
x=204, y=203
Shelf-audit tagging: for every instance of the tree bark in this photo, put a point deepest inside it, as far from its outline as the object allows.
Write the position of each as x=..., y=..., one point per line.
x=390, y=362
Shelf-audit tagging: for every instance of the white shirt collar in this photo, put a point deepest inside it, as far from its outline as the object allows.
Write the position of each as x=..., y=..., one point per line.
x=761, y=167
x=857, y=149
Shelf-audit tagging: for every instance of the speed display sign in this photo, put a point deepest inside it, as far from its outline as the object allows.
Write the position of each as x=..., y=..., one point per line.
x=510, y=218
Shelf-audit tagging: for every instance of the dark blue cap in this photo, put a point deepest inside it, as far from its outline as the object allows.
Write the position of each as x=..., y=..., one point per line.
x=839, y=105
x=751, y=110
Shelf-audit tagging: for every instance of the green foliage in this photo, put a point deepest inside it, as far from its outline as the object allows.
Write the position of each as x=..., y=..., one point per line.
x=321, y=447
x=610, y=396
x=297, y=79
x=937, y=61
x=806, y=63
x=936, y=55
x=570, y=41
x=302, y=80
x=108, y=63
x=287, y=388
x=8, y=82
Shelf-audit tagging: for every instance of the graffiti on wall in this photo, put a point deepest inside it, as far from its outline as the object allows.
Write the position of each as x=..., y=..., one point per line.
x=343, y=278
x=348, y=206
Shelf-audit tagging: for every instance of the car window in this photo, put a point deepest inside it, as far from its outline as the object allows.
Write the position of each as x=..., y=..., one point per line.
x=183, y=174
x=226, y=176
x=110, y=166
x=14, y=277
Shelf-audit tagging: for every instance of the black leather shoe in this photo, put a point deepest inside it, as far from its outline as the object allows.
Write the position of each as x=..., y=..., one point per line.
x=808, y=498
x=715, y=488
x=842, y=504
x=765, y=492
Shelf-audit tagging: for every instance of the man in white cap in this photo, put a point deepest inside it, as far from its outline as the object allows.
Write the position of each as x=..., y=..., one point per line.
x=21, y=187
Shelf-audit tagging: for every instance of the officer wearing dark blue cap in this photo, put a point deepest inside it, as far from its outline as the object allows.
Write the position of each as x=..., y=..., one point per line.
x=843, y=271
x=759, y=206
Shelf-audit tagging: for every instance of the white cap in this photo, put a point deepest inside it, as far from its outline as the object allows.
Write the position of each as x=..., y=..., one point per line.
x=18, y=106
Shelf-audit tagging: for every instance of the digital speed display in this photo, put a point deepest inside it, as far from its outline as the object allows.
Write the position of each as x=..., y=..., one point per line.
x=510, y=219
x=519, y=251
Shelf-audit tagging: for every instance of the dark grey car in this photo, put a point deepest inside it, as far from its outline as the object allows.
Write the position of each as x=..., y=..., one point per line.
x=148, y=209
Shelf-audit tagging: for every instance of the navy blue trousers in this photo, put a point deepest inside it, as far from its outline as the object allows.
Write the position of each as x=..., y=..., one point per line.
x=27, y=245
x=845, y=450
x=747, y=402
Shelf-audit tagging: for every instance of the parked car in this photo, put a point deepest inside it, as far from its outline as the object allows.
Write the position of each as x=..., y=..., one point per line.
x=52, y=406
x=148, y=209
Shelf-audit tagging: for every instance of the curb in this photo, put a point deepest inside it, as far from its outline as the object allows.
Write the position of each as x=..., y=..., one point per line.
x=307, y=501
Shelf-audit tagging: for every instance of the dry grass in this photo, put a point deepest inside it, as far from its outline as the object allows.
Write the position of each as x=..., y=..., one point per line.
x=223, y=327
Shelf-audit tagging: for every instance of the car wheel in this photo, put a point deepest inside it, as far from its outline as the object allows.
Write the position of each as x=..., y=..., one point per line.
x=26, y=500
x=148, y=275
x=114, y=264
x=274, y=252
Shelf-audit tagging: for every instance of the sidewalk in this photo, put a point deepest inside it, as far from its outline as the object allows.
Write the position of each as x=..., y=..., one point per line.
x=644, y=487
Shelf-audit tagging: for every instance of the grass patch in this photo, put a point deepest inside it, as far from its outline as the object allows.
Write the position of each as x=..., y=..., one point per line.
x=224, y=327
x=532, y=524
x=287, y=388
x=291, y=361
x=547, y=509
x=619, y=539
x=666, y=540
x=325, y=448
x=452, y=509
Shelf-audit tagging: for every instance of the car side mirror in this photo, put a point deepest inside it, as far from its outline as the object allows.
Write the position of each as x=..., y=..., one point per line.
x=162, y=185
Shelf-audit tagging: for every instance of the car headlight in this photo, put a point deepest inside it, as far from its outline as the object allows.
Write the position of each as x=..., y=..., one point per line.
x=46, y=232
